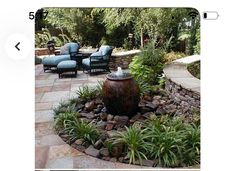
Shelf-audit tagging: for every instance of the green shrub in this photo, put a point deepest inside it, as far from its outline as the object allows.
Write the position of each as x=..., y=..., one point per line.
x=170, y=141
x=191, y=139
x=59, y=120
x=197, y=46
x=147, y=68
x=169, y=57
x=65, y=107
x=135, y=140
x=174, y=142
x=87, y=93
x=79, y=129
x=194, y=69
x=166, y=142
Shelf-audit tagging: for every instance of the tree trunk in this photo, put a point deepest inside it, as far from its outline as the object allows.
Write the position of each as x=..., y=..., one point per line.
x=141, y=37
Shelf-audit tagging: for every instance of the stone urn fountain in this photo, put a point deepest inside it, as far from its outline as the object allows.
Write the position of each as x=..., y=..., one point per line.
x=121, y=94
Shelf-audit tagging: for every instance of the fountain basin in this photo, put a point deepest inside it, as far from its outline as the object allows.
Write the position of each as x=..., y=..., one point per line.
x=121, y=94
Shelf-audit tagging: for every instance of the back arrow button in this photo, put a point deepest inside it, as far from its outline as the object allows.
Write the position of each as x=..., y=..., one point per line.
x=16, y=46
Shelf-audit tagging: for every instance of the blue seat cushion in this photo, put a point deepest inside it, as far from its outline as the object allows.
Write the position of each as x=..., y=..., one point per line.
x=55, y=60
x=67, y=64
x=86, y=62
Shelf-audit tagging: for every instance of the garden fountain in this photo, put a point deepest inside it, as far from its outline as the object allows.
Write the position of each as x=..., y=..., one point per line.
x=121, y=94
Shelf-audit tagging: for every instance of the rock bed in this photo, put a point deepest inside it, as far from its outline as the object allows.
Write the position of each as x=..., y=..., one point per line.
x=108, y=124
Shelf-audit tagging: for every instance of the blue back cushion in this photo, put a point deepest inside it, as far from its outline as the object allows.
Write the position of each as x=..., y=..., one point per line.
x=73, y=47
x=64, y=50
x=104, y=50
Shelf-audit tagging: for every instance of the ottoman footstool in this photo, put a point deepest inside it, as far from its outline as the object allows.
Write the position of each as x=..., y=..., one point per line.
x=67, y=66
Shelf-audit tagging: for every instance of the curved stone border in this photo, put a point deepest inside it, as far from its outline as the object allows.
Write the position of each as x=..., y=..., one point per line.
x=182, y=85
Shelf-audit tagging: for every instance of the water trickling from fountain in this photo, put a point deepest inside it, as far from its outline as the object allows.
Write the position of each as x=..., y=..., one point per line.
x=121, y=94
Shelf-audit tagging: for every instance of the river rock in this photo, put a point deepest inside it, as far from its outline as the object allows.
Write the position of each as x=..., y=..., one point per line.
x=151, y=105
x=98, y=144
x=101, y=124
x=117, y=150
x=110, y=117
x=92, y=151
x=90, y=115
x=90, y=106
x=103, y=116
x=104, y=152
x=121, y=120
x=79, y=141
x=109, y=126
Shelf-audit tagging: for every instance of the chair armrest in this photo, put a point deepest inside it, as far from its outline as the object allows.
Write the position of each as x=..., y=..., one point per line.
x=97, y=57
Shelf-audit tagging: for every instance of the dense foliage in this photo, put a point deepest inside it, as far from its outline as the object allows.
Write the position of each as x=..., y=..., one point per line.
x=169, y=141
x=147, y=67
x=95, y=26
x=194, y=69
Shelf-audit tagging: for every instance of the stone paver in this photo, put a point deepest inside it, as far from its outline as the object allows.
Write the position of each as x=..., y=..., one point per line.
x=55, y=96
x=44, y=128
x=42, y=83
x=60, y=151
x=60, y=163
x=49, y=140
x=41, y=157
x=88, y=162
x=44, y=116
x=44, y=106
x=43, y=89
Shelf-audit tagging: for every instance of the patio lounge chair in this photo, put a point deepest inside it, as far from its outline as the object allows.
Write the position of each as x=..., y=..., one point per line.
x=98, y=60
x=66, y=53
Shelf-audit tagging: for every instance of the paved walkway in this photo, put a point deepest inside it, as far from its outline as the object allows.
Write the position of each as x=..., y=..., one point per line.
x=177, y=72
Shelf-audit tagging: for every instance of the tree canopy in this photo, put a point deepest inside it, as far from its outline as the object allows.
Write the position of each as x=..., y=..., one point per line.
x=95, y=26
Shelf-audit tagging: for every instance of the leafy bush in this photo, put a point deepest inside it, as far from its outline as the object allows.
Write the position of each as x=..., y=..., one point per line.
x=194, y=69
x=79, y=129
x=169, y=57
x=197, y=46
x=87, y=93
x=135, y=140
x=43, y=37
x=147, y=68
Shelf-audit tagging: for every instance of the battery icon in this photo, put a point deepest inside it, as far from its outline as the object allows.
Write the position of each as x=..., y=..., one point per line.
x=210, y=15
